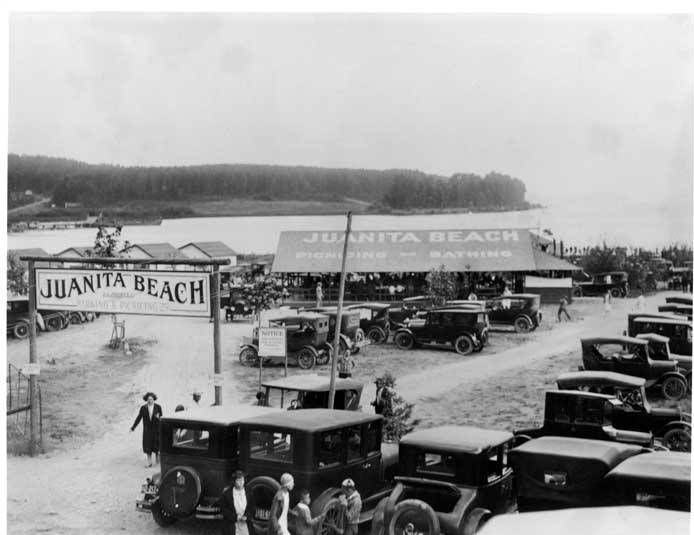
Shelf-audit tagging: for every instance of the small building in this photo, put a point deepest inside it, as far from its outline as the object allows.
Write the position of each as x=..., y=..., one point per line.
x=31, y=252
x=209, y=250
x=144, y=251
x=71, y=252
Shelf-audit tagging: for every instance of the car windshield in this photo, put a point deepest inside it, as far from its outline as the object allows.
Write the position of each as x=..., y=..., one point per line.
x=498, y=462
x=436, y=463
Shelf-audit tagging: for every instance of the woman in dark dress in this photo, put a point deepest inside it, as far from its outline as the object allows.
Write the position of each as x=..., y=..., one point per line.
x=150, y=413
x=237, y=507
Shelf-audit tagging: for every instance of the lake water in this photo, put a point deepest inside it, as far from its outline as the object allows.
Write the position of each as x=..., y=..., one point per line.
x=577, y=223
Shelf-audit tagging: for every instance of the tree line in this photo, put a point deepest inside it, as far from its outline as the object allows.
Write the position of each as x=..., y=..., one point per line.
x=98, y=185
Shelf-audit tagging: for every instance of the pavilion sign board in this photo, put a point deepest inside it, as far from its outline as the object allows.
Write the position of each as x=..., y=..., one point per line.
x=112, y=291
x=406, y=250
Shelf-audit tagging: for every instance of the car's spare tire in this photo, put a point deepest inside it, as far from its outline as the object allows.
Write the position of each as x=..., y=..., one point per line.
x=415, y=512
x=21, y=330
x=333, y=516
x=262, y=490
x=180, y=491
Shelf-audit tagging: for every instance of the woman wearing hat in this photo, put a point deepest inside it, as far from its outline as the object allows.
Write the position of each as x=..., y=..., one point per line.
x=237, y=507
x=149, y=413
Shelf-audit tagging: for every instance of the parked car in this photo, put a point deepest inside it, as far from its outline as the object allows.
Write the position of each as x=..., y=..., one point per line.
x=669, y=425
x=520, y=310
x=374, y=320
x=465, y=330
x=659, y=349
x=198, y=455
x=557, y=472
x=675, y=308
x=449, y=480
x=311, y=392
x=571, y=413
x=677, y=328
x=320, y=448
x=18, y=318
x=658, y=479
x=351, y=335
x=408, y=309
x=680, y=300
x=630, y=356
x=307, y=341
x=615, y=282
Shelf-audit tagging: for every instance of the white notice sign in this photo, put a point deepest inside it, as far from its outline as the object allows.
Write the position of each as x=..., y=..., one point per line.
x=31, y=368
x=272, y=342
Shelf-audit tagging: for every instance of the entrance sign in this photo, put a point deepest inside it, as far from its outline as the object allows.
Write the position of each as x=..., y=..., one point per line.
x=272, y=342
x=31, y=368
x=112, y=291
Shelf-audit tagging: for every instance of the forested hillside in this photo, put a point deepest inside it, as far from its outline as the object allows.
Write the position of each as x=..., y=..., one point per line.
x=103, y=185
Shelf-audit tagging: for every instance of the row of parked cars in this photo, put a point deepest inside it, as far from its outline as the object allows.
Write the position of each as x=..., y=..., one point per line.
x=449, y=479
x=46, y=320
x=461, y=325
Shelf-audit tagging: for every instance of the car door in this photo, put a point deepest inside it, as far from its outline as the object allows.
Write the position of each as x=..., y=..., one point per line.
x=434, y=329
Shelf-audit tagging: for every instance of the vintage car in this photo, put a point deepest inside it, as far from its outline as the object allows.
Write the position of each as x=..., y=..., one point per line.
x=351, y=335
x=630, y=356
x=449, y=480
x=631, y=519
x=615, y=282
x=660, y=479
x=659, y=349
x=571, y=413
x=554, y=472
x=670, y=426
x=680, y=300
x=307, y=341
x=18, y=318
x=465, y=330
x=676, y=327
x=311, y=392
x=408, y=309
x=320, y=448
x=520, y=310
x=198, y=455
x=374, y=320
x=673, y=308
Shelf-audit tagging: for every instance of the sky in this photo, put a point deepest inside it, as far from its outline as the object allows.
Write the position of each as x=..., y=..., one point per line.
x=577, y=106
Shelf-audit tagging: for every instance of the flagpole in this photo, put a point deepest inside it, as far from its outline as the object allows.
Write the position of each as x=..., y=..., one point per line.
x=338, y=319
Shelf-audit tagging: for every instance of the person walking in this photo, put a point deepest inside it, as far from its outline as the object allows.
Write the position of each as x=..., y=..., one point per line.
x=149, y=413
x=353, y=507
x=563, y=303
x=607, y=303
x=237, y=507
x=305, y=525
x=280, y=506
x=319, y=294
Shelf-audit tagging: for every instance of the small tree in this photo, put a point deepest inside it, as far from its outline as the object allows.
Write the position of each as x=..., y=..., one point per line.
x=397, y=412
x=108, y=242
x=441, y=285
x=262, y=294
x=17, y=283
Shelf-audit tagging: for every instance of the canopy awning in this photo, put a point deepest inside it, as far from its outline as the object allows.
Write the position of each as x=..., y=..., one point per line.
x=481, y=250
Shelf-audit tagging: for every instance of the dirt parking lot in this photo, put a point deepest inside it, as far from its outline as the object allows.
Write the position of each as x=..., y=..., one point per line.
x=91, y=472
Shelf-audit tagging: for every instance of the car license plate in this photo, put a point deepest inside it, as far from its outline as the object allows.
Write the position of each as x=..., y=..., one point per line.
x=150, y=489
x=262, y=514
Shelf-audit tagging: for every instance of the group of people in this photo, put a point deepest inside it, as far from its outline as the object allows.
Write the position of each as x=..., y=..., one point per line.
x=238, y=508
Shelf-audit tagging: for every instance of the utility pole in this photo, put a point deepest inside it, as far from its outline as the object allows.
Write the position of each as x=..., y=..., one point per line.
x=217, y=342
x=338, y=319
x=34, y=415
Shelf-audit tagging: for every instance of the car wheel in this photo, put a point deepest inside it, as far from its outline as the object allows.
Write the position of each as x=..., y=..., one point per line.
x=21, y=330
x=678, y=439
x=415, y=512
x=54, y=323
x=674, y=388
x=616, y=292
x=404, y=340
x=306, y=358
x=75, y=318
x=522, y=324
x=249, y=356
x=89, y=316
x=333, y=517
x=179, y=491
x=463, y=345
x=475, y=520
x=376, y=335
x=161, y=517
x=577, y=292
x=262, y=490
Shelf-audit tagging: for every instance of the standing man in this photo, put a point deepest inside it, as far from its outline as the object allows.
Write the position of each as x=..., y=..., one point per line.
x=379, y=403
x=353, y=507
x=562, y=308
x=319, y=294
x=280, y=507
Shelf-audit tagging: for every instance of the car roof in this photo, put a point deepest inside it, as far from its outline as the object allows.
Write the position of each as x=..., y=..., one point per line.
x=599, y=378
x=17, y=298
x=312, y=420
x=578, y=448
x=659, y=466
x=457, y=438
x=329, y=310
x=313, y=383
x=578, y=393
x=663, y=320
x=611, y=273
x=458, y=310
x=594, y=520
x=614, y=340
x=519, y=296
x=653, y=337
x=416, y=298
x=374, y=305
x=656, y=315
x=218, y=414
x=300, y=316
